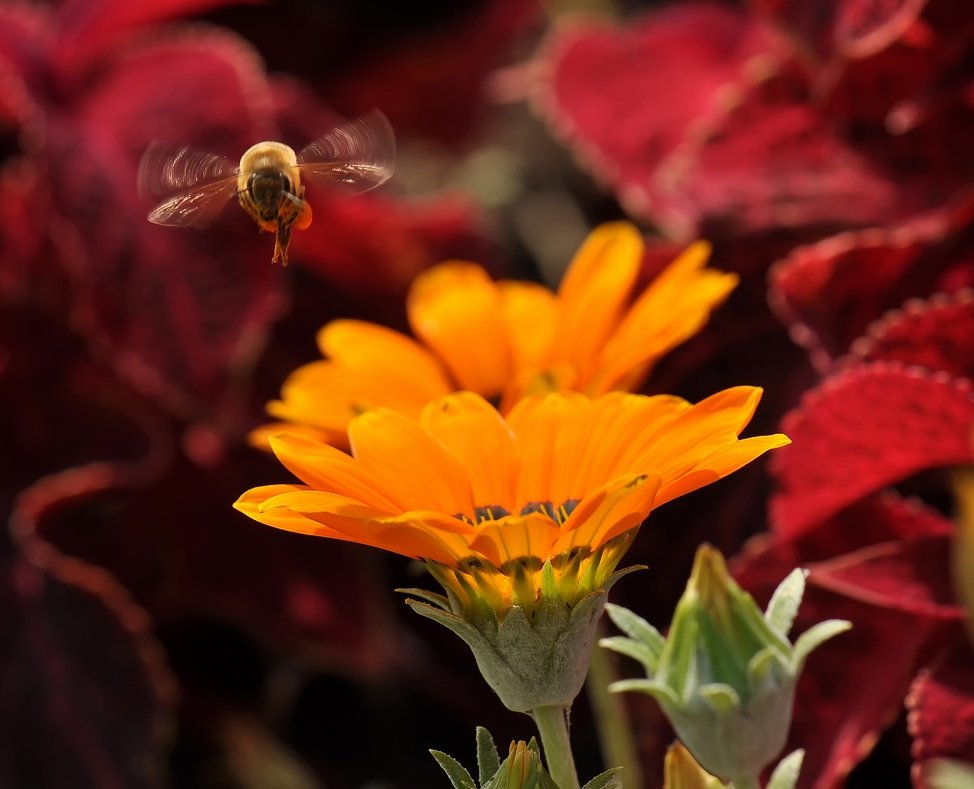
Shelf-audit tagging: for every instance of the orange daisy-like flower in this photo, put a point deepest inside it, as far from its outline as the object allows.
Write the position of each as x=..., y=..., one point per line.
x=508, y=510
x=504, y=340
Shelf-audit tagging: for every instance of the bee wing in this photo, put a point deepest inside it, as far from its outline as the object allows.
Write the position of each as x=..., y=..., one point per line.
x=194, y=184
x=358, y=155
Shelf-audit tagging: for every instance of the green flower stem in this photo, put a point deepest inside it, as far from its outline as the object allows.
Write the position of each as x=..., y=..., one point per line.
x=612, y=719
x=552, y=723
x=746, y=783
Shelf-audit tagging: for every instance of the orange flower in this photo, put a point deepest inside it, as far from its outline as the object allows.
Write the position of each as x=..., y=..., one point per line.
x=504, y=340
x=494, y=505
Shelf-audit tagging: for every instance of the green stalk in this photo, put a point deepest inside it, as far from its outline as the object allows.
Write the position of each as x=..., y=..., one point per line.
x=746, y=783
x=612, y=719
x=552, y=723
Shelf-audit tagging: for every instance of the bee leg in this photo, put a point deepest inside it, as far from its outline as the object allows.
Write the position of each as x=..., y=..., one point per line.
x=283, y=239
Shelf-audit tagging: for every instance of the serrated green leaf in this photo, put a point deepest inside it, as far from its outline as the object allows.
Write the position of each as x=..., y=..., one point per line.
x=785, y=602
x=455, y=771
x=785, y=775
x=488, y=759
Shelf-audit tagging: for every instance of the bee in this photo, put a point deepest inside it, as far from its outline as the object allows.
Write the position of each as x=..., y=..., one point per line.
x=194, y=185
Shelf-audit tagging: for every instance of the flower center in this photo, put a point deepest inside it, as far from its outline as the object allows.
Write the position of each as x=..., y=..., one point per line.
x=492, y=512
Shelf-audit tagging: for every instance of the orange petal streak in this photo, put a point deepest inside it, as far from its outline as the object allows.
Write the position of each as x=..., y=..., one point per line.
x=516, y=537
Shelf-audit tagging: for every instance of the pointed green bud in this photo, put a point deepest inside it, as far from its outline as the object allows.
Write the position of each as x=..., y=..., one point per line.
x=522, y=769
x=726, y=673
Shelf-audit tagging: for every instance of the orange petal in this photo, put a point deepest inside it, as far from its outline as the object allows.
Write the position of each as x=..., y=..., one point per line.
x=410, y=466
x=516, y=537
x=362, y=345
x=530, y=313
x=456, y=309
x=537, y=423
x=260, y=437
x=721, y=463
x=606, y=513
x=594, y=292
x=472, y=430
x=250, y=504
x=327, y=395
x=325, y=468
x=673, y=308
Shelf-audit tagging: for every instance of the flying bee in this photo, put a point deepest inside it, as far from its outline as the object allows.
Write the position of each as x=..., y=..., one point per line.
x=194, y=185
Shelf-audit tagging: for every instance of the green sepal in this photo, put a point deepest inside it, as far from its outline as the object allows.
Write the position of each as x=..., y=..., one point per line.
x=439, y=600
x=785, y=775
x=662, y=693
x=814, y=637
x=607, y=780
x=721, y=697
x=785, y=602
x=531, y=662
x=638, y=628
x=488, y=760
x=634, y=649
x=455, y=771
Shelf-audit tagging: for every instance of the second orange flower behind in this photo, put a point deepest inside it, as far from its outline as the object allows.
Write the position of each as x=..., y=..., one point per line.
x=505, y=340
x=488, y=500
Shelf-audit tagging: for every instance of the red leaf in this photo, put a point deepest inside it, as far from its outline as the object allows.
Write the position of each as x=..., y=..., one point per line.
x=84, y=695
x=941, y=710
x=663, y=73
x=843, y=28
x=291, y=590
x=770, y=160
x=862, y=430
x=853, y=686
x=912, y=576
x=829, y=292
x=935, y=333
x=88, y=27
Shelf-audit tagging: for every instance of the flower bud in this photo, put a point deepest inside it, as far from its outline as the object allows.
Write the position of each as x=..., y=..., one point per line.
x=725, y=676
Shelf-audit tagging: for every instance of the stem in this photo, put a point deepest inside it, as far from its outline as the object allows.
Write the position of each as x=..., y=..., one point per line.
x=552, y=723
x=612, y=719
x=746, y=783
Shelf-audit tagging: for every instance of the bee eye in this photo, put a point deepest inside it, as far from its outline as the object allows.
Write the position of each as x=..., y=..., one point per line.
x=286, y=182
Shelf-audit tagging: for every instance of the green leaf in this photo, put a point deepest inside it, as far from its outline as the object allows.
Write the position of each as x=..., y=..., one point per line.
x=607, y=780
x=785, y=602
x=488, y=760
x=636, y=627
x=785, y=775
x=814, y=637
x=455, y=771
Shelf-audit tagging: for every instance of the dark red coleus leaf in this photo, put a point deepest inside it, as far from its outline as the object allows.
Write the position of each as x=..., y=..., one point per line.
x=85, y=697
x=935, y=333
x=910, y=575
x=829, y=292
x=663, y=73
x=864, y=429
x=769, y=160
x=87, y=27
x=941, y=711
x=191, y=555
x=842, y=28
x=853, y=686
